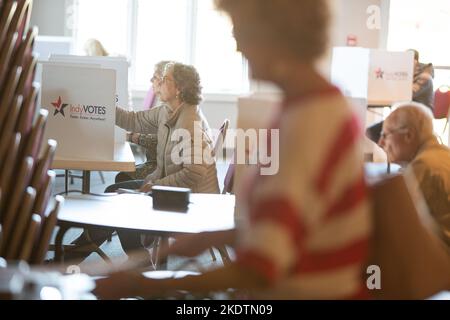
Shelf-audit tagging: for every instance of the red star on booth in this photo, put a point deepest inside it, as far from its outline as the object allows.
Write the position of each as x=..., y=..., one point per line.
x=59, y=107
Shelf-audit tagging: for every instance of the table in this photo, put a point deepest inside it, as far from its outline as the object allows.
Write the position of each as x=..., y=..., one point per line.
x=123, y=161
x=206, y=212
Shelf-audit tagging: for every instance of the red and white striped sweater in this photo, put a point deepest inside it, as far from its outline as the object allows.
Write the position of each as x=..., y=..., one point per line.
x=310, y=223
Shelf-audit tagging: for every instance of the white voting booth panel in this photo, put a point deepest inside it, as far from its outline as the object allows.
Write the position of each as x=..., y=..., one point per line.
x=390, y=77
x=120, y=64
x=254, y=112
x=81, y=105
x=381, y=77
x=45, y=46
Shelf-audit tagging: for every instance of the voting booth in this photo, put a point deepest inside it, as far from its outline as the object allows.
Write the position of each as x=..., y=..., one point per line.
x=255, y=112
x=81, y=103
x=45, y=46
x=119, y=64
x=382, y=77
x=371, y=78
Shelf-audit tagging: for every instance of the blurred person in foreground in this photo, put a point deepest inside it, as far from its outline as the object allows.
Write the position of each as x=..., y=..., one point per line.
x=309, y=224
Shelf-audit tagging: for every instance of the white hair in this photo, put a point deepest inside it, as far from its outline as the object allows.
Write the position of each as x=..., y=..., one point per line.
x=93, y=47
x=416, y=116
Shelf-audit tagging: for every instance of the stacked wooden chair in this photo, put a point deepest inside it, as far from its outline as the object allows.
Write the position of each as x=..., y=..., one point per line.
x=26, y=218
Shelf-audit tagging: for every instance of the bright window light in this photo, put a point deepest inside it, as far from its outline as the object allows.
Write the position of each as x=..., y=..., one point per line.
x=148, y=31
x=424, y=26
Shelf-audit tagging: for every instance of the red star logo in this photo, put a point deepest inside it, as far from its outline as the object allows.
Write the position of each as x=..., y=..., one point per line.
x=379, y=73
x=59, y=107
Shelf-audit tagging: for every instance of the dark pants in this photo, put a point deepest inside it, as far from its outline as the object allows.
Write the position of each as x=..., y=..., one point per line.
x=374, y=132
x=130, y=241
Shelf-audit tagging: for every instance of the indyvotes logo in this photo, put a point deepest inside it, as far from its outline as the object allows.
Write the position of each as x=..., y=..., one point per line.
x=379, y=73
x=79, y=111
x=59, y=107
x=390, y=75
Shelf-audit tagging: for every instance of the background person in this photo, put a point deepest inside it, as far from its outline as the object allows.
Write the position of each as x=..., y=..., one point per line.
x=94, y=47
x=148, y=141
x=180, y=94
x=408, y=140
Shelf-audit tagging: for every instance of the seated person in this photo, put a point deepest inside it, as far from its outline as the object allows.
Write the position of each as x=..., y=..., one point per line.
x=180, y=94
x=408, y=140
x=422, y=88
x=93, y=47
x=423, y=91
x=148, y=141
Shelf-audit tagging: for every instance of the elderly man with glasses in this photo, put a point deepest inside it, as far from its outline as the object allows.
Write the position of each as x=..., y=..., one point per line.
x=408, y=140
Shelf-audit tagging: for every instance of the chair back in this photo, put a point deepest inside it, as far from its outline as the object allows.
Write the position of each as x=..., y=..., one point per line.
x=414, y=262
x=229, y=179
x=6, y=15
x=5, y=59
x=8, y=129
x=7, y=169
x=218, y=145
x=28, y=111
x=441, y=103
x=32, y=144
x=17, y=235
x=14, y=197
x=31, y=235
x=48, y=225
x=43, y=165
x=27, y=76
x=7, y=96
x=44, y=193
x=25, y=182
x=21, y=18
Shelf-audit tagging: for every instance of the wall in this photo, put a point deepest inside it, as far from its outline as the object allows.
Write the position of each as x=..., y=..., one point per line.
x=50, y=17
x=351, y=18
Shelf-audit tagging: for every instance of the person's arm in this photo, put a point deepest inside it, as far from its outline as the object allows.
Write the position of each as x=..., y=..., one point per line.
x=124, y=284
x=139, y=122
x=422, y=84
x=193, y=244
x=148, y=141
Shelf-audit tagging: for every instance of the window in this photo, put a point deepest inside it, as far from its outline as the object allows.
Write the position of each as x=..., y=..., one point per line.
x=148, y=31
x=425, y=26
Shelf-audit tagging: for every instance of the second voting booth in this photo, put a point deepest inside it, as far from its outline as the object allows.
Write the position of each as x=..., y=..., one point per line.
x=372, y=78
x=381, y=77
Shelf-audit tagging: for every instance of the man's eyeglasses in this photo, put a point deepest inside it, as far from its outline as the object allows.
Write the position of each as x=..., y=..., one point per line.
x=384, y=135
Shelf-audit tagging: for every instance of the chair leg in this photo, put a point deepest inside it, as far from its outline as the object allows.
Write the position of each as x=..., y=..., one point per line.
x=213, y=255
x=160, y=261
x=224, y=255
x=102, y=177
x=66, y=180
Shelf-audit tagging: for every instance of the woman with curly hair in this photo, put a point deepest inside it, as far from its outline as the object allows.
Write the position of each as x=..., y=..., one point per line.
x=180, y=94
x=179, y=162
